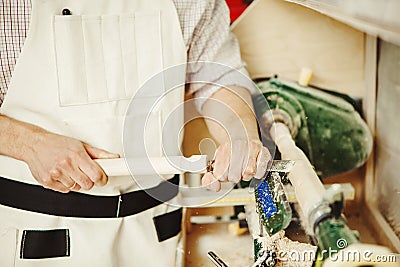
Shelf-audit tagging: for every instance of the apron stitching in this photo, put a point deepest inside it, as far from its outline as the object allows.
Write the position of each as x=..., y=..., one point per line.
x=84, y=57
x=23, y=244
x=160, y=36
x=119, y=205
x=160, y=40
x=137, y=81
x=67, y=242
x=56, y=58
x=122, y=55
x=102, y=54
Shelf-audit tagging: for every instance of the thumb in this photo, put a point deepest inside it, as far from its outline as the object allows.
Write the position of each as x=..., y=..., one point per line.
x=97, y=153
x=211, y=182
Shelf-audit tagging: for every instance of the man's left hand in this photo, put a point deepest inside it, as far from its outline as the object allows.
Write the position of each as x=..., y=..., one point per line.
x=235, y=161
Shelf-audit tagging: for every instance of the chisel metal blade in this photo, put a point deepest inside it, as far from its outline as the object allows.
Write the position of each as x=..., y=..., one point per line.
x=276, y=166
x=281, y=165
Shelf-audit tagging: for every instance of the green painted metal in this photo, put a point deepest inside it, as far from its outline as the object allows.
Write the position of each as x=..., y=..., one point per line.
x=327, y=127
x=334, y=235
x=272, y=205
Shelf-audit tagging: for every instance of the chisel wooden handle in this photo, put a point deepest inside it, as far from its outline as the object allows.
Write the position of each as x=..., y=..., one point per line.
x=151, y=166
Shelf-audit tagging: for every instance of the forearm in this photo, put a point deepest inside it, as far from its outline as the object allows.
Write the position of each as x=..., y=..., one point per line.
x=231, y=120
x=16, y=137
x=229, y=115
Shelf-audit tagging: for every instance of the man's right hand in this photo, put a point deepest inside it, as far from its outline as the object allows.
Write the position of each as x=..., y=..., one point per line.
x=56, y=161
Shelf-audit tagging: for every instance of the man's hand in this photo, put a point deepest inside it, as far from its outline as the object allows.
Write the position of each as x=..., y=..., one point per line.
x=57, y=162
x=240, y=160
x=231, y=121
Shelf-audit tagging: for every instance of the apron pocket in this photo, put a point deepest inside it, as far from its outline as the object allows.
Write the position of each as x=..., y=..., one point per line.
x=8, y=246
x=103, y=58
x=70, y=57
x=168, y=225
x=40, y=244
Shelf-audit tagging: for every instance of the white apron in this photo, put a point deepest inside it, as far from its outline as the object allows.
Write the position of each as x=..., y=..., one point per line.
x=75, y=76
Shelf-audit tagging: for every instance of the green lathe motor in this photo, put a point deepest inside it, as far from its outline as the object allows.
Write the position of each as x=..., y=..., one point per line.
x=328, y=129
x=324, y=125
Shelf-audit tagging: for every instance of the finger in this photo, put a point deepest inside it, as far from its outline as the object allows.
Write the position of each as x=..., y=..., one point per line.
x=76, y=188
x=56, y=176
x=211, y=182
x=66, y=181
x=57, y=186
x=263, y=159
x=222, y=159
x=97, y=153
x=249, y=169
x=94, y=172
x=80, y=177
x=239, y=153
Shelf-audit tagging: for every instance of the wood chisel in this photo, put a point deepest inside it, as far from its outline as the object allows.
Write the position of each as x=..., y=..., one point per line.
x=171, y=165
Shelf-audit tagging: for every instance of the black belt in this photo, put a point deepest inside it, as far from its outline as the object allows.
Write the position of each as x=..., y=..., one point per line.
x=38, y=199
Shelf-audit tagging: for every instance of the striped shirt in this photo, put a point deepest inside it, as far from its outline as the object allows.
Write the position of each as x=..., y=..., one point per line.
x=205, y=29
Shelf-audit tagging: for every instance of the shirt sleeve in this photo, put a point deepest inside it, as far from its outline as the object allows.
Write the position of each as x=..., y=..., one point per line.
x=214, y=59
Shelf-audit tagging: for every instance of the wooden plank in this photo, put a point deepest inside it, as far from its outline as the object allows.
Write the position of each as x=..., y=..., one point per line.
x=382, y=230
x=277, y=37
x=377, y=18
x=369, y=108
